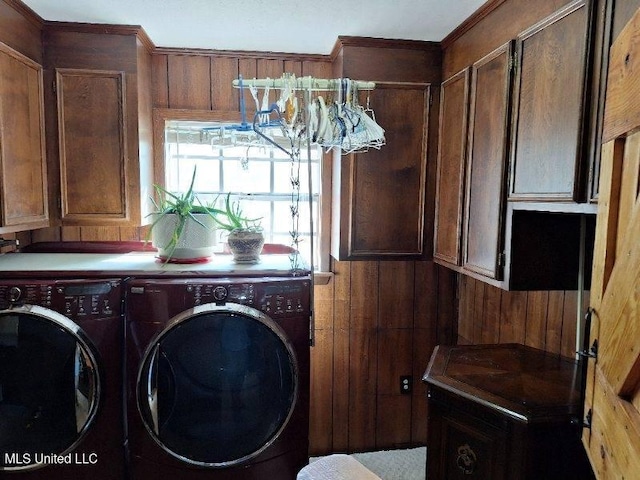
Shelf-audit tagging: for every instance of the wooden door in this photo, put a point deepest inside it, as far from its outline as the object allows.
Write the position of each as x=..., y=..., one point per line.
x=485, y=183
x=454, y=108
x=613, y=380
x=23, y=174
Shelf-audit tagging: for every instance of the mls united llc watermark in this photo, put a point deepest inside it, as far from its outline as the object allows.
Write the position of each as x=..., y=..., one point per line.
x=74, y=458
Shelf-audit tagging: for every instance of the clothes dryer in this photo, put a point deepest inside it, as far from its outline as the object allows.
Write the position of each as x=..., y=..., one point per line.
x=61, y=378
x=218, y=377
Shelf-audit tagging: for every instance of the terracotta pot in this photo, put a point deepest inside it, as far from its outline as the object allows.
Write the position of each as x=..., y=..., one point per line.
x=196, y=243
x=246, y=245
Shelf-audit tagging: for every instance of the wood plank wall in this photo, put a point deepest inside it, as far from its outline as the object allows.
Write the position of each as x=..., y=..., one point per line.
x=542, y=319
x=376, y=321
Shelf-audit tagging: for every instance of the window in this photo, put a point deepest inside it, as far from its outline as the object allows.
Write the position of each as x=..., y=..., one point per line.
x=259, y=177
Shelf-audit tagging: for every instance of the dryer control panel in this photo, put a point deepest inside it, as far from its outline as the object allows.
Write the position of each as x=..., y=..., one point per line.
x=275, y=297
x=76, y=299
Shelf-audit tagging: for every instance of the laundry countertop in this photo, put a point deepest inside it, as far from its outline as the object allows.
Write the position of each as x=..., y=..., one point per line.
x=141, y=264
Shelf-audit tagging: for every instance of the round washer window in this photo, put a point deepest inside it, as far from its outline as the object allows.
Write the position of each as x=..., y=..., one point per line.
x=218, y=385
x=49, y=386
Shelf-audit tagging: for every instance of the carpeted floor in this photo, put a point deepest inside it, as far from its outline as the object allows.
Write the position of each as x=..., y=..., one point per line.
x=408, y=464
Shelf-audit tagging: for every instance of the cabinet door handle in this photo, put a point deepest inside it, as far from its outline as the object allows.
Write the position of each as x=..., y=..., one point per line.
x=466, y=459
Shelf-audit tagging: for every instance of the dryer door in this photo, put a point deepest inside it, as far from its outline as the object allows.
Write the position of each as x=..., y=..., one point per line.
x=49, y=386
x=218, y=385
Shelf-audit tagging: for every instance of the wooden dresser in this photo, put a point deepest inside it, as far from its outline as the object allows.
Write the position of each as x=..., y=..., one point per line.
x=503, y=412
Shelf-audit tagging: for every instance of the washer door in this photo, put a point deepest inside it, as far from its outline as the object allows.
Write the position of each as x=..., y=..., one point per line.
x=49, y=386
x=218, y=385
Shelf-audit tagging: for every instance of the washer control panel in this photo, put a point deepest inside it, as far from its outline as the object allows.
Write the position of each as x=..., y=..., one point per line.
x=276, y=297
x=74, y=299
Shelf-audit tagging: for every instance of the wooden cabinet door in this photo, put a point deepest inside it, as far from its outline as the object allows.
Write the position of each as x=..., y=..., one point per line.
x=454, y=108
x=380, y=194
x=549, y=103
x=487, y=154
x=22, y=152
x=613, y=380
x=93, y=153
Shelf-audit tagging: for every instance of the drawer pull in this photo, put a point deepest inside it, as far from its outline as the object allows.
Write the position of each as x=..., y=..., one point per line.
x=466, y=459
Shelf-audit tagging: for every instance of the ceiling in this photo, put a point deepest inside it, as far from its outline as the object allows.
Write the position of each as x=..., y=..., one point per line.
x=288, y=26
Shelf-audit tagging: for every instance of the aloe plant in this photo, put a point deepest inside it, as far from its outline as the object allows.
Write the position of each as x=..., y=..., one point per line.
x=232, y=218
x=184, y=205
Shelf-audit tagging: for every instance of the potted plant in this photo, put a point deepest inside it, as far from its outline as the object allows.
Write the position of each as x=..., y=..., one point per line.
x=244, y=235
x=183, y=230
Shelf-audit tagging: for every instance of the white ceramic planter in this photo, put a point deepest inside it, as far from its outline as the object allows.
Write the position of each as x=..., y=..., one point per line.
x=196, y=243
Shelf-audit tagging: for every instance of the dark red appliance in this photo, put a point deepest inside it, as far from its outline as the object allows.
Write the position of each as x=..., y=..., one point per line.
x=61, y=378
x=218, y=377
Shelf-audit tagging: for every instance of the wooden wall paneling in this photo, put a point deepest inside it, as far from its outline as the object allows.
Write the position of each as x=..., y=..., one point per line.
x=321, y=423
x=71, y=234
x=395, y=352
x=248, y=68
x=363, y=351
x=395, y=294
x=316, y=69
x=503, y=24
x=160, y=80
x=88, y=234
x=341, y=348
x=21, y=29
x=224, y=70
x=189, y=78
x=293, y=66
x=49, y=234
x=393, y=422
x=491, y=315
x=537, y=302
x=270, y=68
x=364, y=290
x=423, y=346
x=322, y=353
x=23, y=238
x=569, y=322
x=393, y=410
x=447, y=309
x=131, y=234
x=478, y=311
x=425, y=338
x=513, y=316
x=555, y=319
x=93, y=49
x=465, y=318
x=144, y=80
x=362, y=388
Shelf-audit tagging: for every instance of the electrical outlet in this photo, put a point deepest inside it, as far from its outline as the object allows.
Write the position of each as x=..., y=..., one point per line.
x=406, y=384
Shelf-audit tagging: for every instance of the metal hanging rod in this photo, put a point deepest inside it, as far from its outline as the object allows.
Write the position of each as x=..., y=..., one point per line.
x=302, y=83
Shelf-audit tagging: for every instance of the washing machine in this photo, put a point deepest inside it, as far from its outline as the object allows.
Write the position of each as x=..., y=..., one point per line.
x=218, y=377
x=61, y=377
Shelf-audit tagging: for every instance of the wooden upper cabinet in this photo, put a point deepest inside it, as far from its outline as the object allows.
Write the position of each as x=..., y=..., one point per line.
x=93, y=154
x=487, y=156
x=548, y=153
x=379, y=198
x=385, y=189
x=454, y=108
x=101, y=105
x=23, y=200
